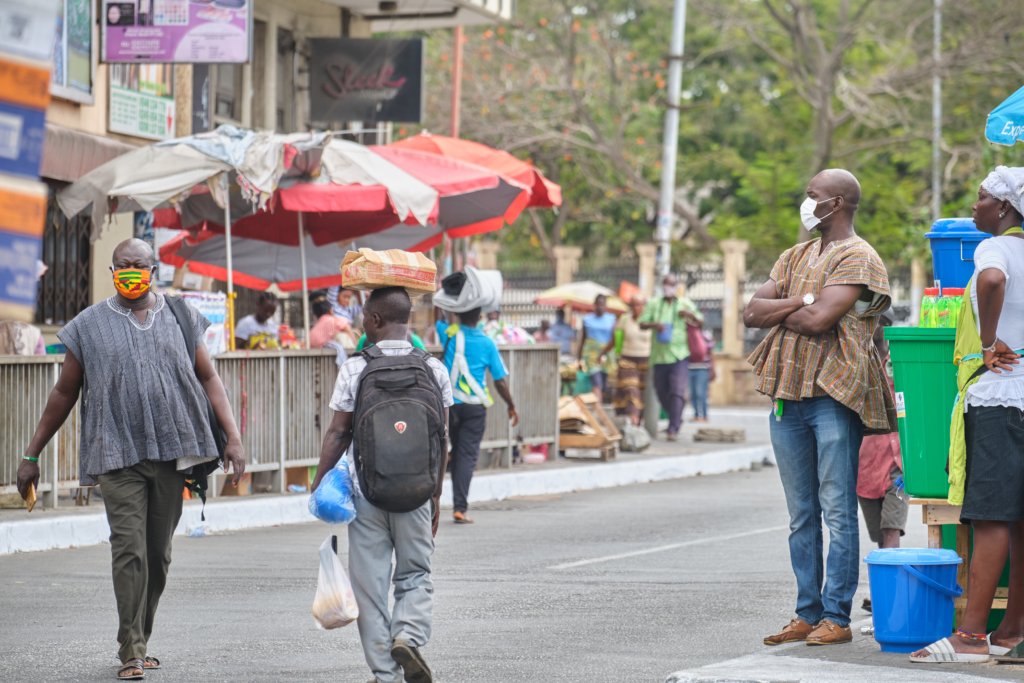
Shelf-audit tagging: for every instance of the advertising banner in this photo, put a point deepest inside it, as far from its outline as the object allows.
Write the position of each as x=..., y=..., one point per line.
x=184, y=31
x=364, y=79
x=142, y=100
x=22, y=214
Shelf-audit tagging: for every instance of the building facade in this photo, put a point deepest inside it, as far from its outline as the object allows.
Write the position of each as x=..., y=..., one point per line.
x=99, y=111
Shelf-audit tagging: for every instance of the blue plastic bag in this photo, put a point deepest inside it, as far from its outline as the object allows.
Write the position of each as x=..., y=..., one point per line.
x=665, y=336
x=332, y=500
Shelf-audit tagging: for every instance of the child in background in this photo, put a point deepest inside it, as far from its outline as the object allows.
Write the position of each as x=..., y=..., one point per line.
x=881, y=465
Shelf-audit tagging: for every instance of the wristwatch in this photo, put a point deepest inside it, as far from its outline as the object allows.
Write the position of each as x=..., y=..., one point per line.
x=808, y=299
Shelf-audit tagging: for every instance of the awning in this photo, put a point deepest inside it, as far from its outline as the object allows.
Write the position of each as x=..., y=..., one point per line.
x=69, y=154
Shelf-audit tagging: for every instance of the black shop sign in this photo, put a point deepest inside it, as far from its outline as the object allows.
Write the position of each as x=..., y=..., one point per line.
x=365, y=79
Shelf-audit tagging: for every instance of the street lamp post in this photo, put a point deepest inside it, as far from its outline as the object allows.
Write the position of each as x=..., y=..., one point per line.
x=663, y=233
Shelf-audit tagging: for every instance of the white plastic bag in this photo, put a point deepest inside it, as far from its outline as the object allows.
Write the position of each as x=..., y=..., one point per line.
x=634, y=439
x=335, y=603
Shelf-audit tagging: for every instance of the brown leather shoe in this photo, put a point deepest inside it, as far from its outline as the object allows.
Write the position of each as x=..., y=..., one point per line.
x=795, y=630
x=829, y=633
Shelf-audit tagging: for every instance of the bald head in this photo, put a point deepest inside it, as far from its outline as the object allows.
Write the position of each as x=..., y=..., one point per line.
x=836, y=182
x=133, y=253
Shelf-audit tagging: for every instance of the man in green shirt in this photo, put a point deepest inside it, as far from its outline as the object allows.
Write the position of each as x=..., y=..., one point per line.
x=668, y=315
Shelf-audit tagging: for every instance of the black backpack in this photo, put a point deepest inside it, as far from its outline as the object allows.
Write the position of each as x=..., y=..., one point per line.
x=196, y=480
x=399, y=430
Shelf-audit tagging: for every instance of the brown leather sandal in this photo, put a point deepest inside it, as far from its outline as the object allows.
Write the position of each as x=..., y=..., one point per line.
x=133, y=670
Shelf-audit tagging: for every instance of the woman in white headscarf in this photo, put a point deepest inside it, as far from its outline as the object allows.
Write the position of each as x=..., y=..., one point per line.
x=987, y=471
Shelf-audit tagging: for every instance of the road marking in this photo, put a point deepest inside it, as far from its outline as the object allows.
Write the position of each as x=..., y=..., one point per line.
x=663, y=548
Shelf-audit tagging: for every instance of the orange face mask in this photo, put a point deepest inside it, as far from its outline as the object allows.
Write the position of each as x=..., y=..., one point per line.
x=131, y=283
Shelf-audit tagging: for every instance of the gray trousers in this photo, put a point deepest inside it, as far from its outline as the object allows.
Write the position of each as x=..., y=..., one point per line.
x=372, y=538
x=143, y=505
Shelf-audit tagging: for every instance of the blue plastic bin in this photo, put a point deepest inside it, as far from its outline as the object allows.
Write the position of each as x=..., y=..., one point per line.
x=912, y=593
x=953, y=243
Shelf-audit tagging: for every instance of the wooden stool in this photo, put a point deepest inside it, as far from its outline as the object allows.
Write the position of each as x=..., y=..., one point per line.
x=936, y=512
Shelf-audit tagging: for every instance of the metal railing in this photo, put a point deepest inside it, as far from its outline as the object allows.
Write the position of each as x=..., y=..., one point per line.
x=281, y=404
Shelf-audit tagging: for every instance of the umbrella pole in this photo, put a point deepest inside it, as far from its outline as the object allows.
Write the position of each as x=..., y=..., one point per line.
x=305, y=288
x=231, y=282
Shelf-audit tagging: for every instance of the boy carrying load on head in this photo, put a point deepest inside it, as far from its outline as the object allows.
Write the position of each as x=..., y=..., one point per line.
x=391, y=404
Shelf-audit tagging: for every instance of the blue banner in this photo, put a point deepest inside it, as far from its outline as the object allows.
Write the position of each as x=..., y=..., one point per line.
x=18, y=255
x=1006, y=122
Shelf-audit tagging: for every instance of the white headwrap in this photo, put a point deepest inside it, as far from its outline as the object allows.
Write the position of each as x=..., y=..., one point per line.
x=482, y=289
x=1006, y=184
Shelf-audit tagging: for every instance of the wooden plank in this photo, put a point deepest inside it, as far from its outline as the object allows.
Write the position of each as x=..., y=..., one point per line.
x=934, y=536
x=963, y=551
x=929, y=501
x=941, y=514
x=997, y=603
x=569, y=440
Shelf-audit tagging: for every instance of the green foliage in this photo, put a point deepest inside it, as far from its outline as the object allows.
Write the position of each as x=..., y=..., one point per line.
x=579, y=89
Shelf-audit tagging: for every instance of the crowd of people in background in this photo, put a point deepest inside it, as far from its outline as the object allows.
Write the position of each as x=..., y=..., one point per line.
x=614, y=350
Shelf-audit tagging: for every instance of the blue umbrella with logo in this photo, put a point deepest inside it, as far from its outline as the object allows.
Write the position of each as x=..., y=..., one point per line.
x=1006, y=122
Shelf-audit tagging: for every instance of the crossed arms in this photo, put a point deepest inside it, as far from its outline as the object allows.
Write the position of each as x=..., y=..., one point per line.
x=766, y=309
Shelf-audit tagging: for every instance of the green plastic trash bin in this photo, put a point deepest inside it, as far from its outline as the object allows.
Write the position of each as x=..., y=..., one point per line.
x=925, y=378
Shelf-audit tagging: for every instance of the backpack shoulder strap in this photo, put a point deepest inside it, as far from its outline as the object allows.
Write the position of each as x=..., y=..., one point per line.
x=179, y=309
x=372, y=352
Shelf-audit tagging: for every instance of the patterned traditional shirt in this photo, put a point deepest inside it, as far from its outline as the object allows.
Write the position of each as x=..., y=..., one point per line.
x=841, y=363
x=141, y=399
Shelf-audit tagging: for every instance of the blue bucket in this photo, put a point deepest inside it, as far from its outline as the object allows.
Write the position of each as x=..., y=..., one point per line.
x=912, y=594
x=666, y=336
x=953, y=243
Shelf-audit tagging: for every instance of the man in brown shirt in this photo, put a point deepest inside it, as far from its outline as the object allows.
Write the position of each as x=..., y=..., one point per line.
x=819, y=367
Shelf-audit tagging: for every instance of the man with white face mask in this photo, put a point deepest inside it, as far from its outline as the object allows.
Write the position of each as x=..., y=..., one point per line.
x=829, y=389
x=668, y=315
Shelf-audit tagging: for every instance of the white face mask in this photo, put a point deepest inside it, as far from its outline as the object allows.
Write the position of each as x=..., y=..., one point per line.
x=807, y=217
x=669, y=290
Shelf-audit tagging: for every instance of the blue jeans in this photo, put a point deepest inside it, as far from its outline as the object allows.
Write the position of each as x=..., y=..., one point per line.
x=699, y=391
x=817, y=446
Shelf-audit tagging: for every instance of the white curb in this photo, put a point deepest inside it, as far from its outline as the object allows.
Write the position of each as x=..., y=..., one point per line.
x=91, y=529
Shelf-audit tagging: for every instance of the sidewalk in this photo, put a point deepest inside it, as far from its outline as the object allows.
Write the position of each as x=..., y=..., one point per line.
x=68, y=527
x=856, y=662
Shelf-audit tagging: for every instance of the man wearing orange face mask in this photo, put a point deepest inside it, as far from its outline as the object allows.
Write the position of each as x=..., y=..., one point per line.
x=144, y=426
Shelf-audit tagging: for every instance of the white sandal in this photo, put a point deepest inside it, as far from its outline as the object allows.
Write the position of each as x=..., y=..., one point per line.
x=942, y=652
x=997, y=650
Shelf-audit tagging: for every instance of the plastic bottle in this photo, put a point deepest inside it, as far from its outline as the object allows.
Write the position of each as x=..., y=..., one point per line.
x=944, y=312
x=928, y=313
x=955, y=296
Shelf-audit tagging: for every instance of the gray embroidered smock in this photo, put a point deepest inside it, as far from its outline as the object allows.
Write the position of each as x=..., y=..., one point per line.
x=140, y=398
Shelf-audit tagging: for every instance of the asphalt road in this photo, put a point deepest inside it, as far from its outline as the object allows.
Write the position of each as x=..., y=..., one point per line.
x=625, y=584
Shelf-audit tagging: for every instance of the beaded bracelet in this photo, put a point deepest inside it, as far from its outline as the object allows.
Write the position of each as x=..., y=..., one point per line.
x=32, y=459
x=967, y=635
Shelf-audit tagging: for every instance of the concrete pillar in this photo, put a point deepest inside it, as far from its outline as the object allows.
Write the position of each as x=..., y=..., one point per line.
x=648, y=254
x=567, y=262
x=487, y=255
x=182, y=100
x=269, y=121
x=917, y=285
x=247, y=95
x=734, y=267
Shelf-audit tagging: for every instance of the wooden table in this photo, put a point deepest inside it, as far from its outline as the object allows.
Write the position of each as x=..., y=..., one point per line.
x=936, y=512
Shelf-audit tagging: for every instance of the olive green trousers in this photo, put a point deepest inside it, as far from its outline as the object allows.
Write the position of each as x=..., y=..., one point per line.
x=143, y=504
